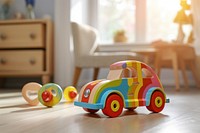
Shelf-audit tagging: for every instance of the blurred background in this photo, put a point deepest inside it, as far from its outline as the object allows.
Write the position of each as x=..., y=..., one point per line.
x=121, y=24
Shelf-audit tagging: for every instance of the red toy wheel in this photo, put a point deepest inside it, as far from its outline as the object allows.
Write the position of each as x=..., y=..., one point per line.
x=113, y=106
x=92, y=111
x=149, y=108
x=157, y=102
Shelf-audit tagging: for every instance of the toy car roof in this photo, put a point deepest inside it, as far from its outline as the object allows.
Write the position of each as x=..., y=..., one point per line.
x=125, y=64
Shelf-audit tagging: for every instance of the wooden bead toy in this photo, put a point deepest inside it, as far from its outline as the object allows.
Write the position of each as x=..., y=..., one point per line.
x=50, y=94
x=31, y=88
x=70, y=93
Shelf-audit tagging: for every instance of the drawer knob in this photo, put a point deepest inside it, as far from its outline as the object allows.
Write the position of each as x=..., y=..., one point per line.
x=3, y=61
x=32, y=35
x=3, y=36
x=32, y=61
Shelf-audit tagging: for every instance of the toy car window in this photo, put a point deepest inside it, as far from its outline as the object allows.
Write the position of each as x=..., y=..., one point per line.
x=146, y=73
x=115, y=74
x=134, y=73
x=129, y=73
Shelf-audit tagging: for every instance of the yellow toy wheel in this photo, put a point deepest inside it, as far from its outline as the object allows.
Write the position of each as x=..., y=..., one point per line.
x=70, y=93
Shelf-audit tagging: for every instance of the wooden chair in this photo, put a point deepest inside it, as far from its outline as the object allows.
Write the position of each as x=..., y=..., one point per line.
x=167, y=58
x=85, y=45
x=187, y=59
x=176, y=56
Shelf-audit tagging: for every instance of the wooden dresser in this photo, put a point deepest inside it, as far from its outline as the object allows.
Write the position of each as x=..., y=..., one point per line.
x=26, y=48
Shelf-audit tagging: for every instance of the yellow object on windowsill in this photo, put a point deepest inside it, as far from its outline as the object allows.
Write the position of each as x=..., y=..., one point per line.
x=181, y=19
x=120, y=36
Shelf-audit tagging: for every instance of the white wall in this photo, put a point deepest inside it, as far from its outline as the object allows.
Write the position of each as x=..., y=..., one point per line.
x=42, y=7
x=63, y=55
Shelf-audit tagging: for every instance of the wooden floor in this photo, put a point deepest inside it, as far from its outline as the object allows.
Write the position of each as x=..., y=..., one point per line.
x=182, y=115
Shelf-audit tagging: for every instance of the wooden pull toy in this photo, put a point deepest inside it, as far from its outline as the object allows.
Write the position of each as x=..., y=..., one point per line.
x=70, y=93
x=31, y=89
x=50, y=94
x=129, y=84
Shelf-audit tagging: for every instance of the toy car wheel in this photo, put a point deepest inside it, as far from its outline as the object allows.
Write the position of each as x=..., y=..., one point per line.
x=157, y=102
x=113, y=106
x=131, y=108
x=149, y=108
x=92, y=111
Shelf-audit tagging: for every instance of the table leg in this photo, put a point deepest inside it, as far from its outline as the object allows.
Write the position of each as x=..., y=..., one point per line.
x=175, y=68
x=194, y=72
x=182, y=65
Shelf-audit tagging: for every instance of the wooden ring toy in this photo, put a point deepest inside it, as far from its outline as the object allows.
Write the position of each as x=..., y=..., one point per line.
x=70, y=93
x=28, y=89
x=50, y=94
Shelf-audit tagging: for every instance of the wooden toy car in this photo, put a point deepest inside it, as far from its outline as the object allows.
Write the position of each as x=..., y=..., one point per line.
x=129, y=84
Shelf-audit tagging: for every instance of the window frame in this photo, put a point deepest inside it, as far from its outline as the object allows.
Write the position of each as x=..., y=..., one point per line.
x=140, y=22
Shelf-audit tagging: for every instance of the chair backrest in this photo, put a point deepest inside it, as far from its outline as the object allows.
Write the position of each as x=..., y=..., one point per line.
x=186, y=52
x=182, y=51
x=84, y=39
x=165, y=52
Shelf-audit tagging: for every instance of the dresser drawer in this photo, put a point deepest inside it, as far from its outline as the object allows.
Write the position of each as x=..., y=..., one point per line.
x=22, y=36
x=22, y=60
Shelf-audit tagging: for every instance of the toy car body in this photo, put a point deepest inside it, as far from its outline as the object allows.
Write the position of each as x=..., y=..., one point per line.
x=129, y=84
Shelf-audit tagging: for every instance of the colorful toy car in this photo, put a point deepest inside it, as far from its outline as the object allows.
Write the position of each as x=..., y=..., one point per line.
x=129, y=84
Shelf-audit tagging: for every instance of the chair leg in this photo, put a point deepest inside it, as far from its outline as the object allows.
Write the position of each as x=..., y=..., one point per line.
x=46, y=79
x=194, y=72
x=176, y=76
x=77, y=73
x=182, y=65
x=158, y=71
x=2, y=82
x=157, y=66
x=96, y=73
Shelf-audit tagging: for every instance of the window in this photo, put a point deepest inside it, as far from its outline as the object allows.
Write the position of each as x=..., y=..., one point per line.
x=160, y=15
x=116, y=15
x=76, y=11
x=142, y=20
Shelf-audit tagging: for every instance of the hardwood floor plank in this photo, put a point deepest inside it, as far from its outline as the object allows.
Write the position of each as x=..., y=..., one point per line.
x=182, y=114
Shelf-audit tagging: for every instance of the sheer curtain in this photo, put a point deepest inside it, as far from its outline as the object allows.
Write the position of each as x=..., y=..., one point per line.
x=196, y=17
